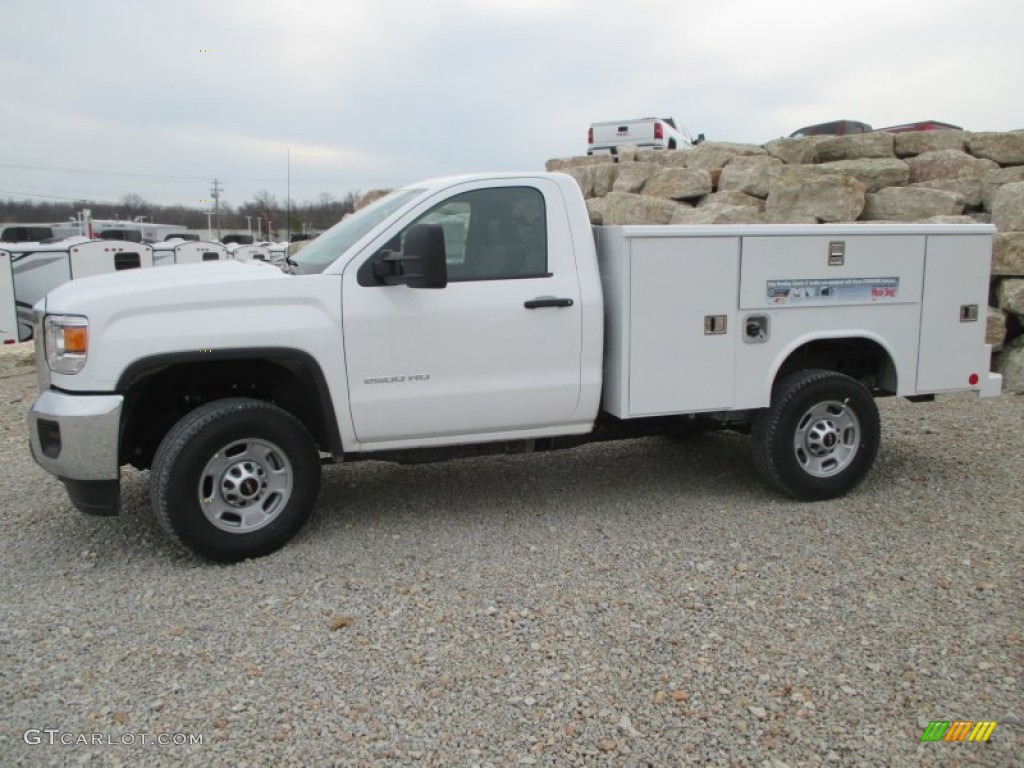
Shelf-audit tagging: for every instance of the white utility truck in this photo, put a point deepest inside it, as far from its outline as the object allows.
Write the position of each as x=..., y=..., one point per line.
x=645, y=133
x=484, y=314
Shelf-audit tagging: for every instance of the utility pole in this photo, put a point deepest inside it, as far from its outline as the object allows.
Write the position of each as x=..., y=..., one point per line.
x=215, y=195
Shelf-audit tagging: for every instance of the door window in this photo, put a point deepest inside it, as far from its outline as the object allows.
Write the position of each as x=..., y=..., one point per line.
x=490, y=234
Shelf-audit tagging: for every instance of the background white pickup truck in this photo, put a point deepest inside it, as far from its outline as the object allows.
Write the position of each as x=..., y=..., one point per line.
x=484, y=314
x=645, y=133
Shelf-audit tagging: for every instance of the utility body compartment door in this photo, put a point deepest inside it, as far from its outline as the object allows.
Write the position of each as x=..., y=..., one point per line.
x=496, y=353
x=670, y=321
x=954, y=312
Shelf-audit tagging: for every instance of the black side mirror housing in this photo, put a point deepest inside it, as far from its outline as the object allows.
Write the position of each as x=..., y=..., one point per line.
x=421, y=263
x=423, y=257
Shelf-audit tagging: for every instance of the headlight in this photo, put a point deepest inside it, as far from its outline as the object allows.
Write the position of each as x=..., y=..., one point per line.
x=67, y=342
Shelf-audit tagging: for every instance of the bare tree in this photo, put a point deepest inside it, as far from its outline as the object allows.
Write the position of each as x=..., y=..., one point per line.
x=133, y=205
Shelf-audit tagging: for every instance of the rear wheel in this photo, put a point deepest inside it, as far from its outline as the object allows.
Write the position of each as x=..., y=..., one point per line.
x=819, y=437
x=235, y=478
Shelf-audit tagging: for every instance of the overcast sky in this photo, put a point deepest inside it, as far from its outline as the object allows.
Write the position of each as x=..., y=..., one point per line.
x=158, y=98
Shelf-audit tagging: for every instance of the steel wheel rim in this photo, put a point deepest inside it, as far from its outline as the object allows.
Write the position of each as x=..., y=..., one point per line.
x=245, y=485
x=827, y=438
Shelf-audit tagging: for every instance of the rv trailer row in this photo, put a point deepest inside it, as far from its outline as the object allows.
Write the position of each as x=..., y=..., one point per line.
x=28, y=271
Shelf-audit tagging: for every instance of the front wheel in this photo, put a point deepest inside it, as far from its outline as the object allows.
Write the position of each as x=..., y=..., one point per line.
x=235, y=478
x=819, y=437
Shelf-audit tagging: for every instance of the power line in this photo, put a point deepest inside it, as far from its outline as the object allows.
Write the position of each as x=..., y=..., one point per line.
x=265, y=179
x=99, y=173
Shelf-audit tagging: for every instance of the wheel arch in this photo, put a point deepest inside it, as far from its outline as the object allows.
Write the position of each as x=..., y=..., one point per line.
x=160, y=389
x=865, y=357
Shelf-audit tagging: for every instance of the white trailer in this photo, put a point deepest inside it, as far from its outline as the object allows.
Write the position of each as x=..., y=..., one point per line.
x=8, y=311
x=192, y=253
x=250, y=253
x=187, y=252
x=38, y=269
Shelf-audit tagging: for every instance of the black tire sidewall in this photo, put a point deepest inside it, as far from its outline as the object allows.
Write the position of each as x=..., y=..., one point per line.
x=197, y=438
x=795, y=396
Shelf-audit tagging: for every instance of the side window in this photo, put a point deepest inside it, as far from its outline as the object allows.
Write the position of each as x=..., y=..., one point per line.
x=491, y=234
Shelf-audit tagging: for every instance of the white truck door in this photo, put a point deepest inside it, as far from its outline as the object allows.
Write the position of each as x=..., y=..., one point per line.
x=494, y=353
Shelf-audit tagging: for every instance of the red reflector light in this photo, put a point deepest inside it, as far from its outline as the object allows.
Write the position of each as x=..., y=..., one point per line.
x=8, y=341
x=590, y=136
x=974, y=379
x=659, y=131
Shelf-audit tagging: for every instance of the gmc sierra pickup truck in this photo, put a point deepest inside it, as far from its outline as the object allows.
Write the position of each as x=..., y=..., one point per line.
x=484, y=313
x=645, y=133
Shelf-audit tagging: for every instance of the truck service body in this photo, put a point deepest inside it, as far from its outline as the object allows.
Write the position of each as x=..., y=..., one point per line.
x=484, y=314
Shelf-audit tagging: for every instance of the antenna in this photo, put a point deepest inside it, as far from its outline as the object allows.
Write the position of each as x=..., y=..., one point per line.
x=288, y=200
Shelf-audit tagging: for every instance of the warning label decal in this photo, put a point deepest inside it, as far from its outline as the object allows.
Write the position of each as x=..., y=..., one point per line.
x=846, y=290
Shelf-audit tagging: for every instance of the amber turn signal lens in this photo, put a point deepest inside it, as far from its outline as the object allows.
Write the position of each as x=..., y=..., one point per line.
x=76, y=341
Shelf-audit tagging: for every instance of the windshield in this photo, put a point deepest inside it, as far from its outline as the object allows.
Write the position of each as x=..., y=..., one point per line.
x=322, y=251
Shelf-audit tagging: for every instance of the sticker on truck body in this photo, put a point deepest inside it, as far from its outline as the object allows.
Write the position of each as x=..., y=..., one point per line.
x=839, y=290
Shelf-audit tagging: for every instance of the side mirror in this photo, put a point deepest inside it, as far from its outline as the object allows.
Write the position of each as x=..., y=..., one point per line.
x=424, y=263
x=420, y=264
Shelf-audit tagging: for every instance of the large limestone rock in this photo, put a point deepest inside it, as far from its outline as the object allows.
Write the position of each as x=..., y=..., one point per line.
x=1010, y=363
x=1003, y=148
x=968, y=187
x=944, y=164
x=1008, y=208
x=670, y=158
x=626, y=153
x=731, y=197
x=565, y=163
x=632, y=177
x=750, y=174
x=856, y=147
x=679, y=183
x=873, y=173
x=594, y=180
x=948, y=220
x=626, y=208
x=793, y=151
x=1008, y=254
x=717, y=214
x=911, y=204
x=823, y=198
x=714, y=155
x=919, y=142
x=995, y=330
x=1011, y=296
x=995, y=179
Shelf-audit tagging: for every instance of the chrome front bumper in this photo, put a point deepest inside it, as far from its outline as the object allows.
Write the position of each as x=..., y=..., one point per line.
x=75, y=436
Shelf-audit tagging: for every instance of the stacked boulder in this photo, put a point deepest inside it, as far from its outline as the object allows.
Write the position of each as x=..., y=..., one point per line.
x=933, y=176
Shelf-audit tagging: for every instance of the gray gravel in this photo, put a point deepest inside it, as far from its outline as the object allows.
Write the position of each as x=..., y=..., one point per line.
x=638, y=603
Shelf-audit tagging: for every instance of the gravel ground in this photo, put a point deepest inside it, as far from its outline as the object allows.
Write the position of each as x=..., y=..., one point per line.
x=630, y=604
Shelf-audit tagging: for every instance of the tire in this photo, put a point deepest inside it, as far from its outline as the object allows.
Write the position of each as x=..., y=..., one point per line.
x=819, y=437
x=235, y=478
